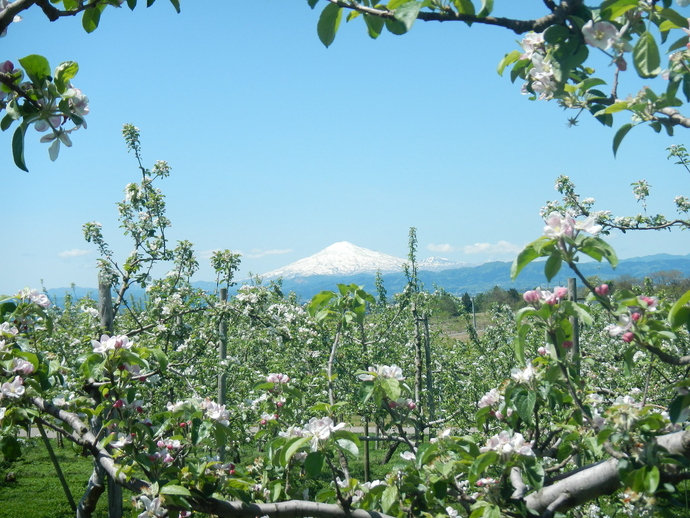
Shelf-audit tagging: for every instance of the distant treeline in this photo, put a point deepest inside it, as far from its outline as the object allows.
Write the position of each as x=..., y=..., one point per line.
x=670, y=283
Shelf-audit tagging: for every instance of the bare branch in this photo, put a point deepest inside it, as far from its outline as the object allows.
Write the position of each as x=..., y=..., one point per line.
x=675, y=117
x=597, y=480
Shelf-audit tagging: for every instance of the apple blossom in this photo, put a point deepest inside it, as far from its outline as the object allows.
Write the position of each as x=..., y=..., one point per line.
x=602, y=35
x=110, y=343
x=523, y=376
x=321, y=429
x=152, y=508
x=624, y=323
x=558, y=226
x=531, y=296
x=15, y=389
x=554, y=298
x=6, y=329
x=490, y=398
x=383, y=371
x=532, y=42
x=277, y=378
x=22, y=366
x=408, y=455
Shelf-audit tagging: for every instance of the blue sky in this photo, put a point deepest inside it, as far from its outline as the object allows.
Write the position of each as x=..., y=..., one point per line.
x=280, y=147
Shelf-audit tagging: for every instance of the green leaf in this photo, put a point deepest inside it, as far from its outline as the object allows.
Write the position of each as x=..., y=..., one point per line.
x=292, y=447
x=615, y=107
x=313, y=464
x=374, y=25
x=620, y=135
x=395, y=27
x=614, y=8
x=6, y=122
x=173, y=489
x=679, y=409
x=480, y=464
x=686, y=86
x=646, y=56
x=36, y=67
x=508, y=59
x=652, y=478
x=529, y=253
x=131, y=4
x=487, y=7
x=553, y=265
x=519, y=344
x=679, y=313
x=91, y=19
x=389, y=498
x=556, y=34
x=348, y=446
x=176, y=5
x=679, y=44
x=464, y=7
x=18, y=147
x=64, y=73
x=312, y=3
x=407, y=13
x=674, y=17
x=391, y=387
x=524, y=401
x=328, y=24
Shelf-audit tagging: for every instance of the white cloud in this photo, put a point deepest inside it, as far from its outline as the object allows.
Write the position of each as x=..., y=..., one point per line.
x=443, y=249
x=258, y=253
x=502, y=247
x=75, y=252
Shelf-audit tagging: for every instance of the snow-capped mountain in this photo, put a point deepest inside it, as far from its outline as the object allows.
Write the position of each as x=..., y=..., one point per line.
x=437, y=264
x=347, y=259
x=339, y=259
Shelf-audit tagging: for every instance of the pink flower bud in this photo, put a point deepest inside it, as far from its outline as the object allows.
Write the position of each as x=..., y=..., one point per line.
x=160, y=444
x=183, y=424
x=542, y=351
x=635, y=317
x=602, y=290
x=628, y=337
x=119, y=403
x=531, y=296
x=411, y=405
x=560, y=292
x=263, y=422
x=567, y=344
x=280, y=404
x=392, y=404
x=140, y=410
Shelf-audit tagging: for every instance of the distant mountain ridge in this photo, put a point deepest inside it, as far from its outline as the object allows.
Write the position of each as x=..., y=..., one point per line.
x=344, y=258
x=346, y=263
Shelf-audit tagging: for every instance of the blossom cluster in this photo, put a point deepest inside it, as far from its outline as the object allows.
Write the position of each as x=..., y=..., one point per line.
x=541, y=81
x=34, y=296
x=559, y=225
x=110, y=343
x=318, y=429
x=545, y=296
x=507, y=445
x=382, y=371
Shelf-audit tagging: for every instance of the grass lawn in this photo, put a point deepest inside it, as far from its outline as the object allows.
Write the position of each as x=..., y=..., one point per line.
x=30, y=487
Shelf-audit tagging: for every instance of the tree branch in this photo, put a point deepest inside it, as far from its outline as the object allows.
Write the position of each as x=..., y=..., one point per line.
x=558, y=15
x=594, y=481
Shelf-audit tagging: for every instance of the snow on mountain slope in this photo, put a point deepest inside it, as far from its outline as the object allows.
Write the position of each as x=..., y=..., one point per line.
x=347, y=259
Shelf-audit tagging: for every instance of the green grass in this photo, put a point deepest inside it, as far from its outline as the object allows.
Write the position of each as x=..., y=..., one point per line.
x=34, y=490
